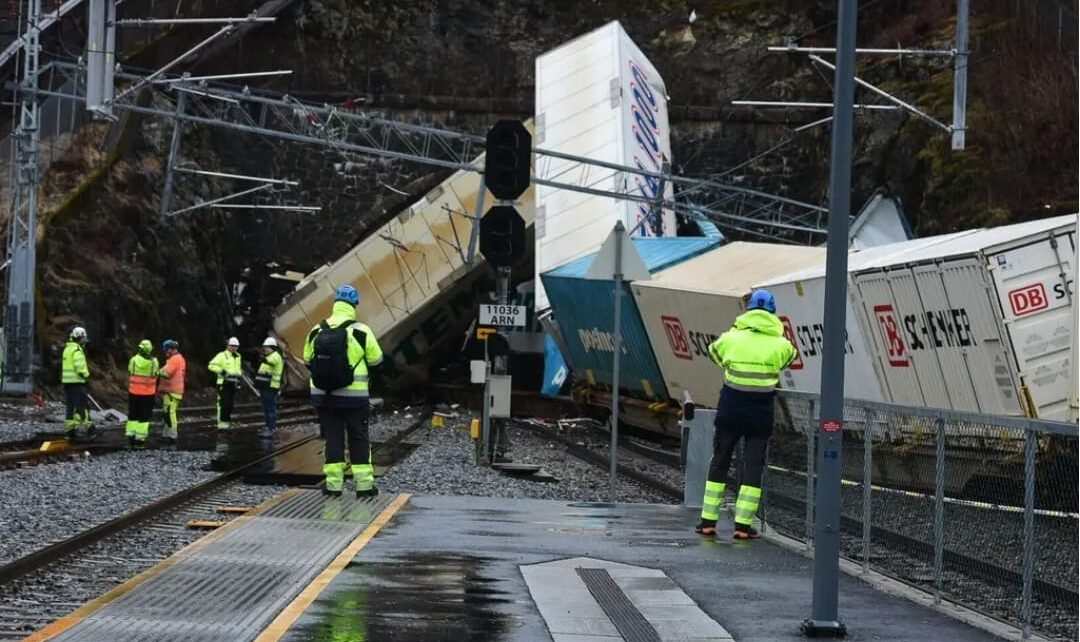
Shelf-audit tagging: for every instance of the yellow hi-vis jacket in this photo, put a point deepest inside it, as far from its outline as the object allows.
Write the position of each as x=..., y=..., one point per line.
x=753, y=352
x=368, y=354
x=74, y=368
x=227, y=366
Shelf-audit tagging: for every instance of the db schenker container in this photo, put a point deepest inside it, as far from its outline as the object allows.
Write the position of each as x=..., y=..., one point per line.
x=983, y=322
x=687, y=306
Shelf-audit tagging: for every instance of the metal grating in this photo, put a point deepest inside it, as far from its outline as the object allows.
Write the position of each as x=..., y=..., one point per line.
x=236, y=585
x=631, y=624
x=315, y=505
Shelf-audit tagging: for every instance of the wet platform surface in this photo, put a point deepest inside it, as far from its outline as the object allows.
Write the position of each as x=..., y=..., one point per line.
x=450, y=568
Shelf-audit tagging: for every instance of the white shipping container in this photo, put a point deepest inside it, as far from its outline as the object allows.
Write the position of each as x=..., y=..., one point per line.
x=980, y=323
x=686, y=307
x=599, y=97
x=800, y=302
x=414, y=282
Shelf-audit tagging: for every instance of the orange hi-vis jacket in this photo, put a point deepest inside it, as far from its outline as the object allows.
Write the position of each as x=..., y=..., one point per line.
x=172, y=375
x=142, y=375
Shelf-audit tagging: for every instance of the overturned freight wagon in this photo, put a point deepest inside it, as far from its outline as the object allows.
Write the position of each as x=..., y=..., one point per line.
x=686, y=307
x=584, y=311
x=417, y=289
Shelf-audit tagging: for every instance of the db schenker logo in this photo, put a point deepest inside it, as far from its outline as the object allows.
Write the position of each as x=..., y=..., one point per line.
x=676, y=336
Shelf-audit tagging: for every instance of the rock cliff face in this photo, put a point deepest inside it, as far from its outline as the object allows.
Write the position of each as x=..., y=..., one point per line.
x=108, y=260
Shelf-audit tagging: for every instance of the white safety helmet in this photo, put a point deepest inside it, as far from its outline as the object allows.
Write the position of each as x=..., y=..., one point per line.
x=269, y=343
x=78, y=332
x=233, y=341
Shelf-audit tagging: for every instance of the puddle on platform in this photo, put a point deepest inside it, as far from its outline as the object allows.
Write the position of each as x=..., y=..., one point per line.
x=414, y=598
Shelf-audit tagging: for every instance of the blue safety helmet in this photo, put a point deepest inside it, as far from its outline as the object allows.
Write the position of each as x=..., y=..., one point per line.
x=762, y=300
x=168, y=343
x=348, y=294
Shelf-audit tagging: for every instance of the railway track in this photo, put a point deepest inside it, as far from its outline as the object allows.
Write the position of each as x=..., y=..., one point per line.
x=110, y=437
x=100, y=557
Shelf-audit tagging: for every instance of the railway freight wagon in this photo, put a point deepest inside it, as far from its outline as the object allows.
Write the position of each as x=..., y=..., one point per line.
x=982, y=322
x=597, y=96
x=416, y=288
x=800, y=300
x=584, y=310
x=686, y=307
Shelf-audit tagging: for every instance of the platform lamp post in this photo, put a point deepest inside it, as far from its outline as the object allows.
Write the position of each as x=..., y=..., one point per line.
x=824, y=620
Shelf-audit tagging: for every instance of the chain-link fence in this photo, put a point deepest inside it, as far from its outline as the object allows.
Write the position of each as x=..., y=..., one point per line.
x=978, y=509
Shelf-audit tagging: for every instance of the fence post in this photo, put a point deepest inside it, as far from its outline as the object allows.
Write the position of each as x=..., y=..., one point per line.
x=868, y=478
x=939, y=506
x=1028, y=570
x=811, y=432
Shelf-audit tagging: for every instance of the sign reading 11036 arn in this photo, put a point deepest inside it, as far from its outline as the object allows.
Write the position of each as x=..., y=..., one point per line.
x=502, y=315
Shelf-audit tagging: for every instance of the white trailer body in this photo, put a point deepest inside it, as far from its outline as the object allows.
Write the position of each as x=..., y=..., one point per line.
x=598, y=97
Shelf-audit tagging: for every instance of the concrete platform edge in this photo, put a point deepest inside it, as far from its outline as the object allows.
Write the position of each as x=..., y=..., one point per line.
x=890, y=586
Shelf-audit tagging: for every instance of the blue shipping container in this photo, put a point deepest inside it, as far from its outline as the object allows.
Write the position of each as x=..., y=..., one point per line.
x=585, y=312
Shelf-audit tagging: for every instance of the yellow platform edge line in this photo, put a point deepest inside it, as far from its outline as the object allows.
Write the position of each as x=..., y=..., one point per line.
x=86, y=610
x=284, y=621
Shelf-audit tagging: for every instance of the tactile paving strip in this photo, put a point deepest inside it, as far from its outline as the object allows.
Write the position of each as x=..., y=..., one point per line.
x=632, y=625
x=231, y=589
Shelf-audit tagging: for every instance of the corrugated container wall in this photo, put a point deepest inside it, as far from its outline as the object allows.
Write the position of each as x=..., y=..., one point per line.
x=415, y=286
x=982, y=322
x=800, y=300
x=686, y=307
x=584, y=310
x=599, y=97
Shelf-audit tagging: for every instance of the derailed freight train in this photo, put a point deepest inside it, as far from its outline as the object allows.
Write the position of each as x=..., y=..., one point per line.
x=418, y=292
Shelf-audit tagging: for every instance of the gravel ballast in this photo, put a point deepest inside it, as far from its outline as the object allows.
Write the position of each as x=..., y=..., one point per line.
x=44, y=504
x=443, y=464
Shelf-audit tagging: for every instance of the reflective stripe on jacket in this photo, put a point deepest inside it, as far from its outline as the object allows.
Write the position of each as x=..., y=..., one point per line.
x=227, y=366
x=142, y=375
x=368, y=354
x=270, y=371
x=172, y=375
x=74, y=368
x=753, y=352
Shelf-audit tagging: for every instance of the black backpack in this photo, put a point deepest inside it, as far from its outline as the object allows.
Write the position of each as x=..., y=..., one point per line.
x=330, y=367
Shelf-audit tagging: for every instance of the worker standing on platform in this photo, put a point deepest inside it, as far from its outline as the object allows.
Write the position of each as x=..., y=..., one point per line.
x=228, y=367
x=339, y=351
x=752, y=353
x=74, y=375
x=268, y=381
x=171, y=387
x=142, y=387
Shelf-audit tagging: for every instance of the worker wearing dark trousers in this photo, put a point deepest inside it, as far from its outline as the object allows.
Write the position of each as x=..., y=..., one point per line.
x=339, y=352
x=752, y=353
x=228, y=367
x=142, y=387
x=74, y=375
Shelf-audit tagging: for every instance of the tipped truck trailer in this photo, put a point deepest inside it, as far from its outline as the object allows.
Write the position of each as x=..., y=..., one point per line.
x=686, y=307
x=584, y=310
x=597, y=96
x=983, y=322
x=800, y=304
x=416, y=289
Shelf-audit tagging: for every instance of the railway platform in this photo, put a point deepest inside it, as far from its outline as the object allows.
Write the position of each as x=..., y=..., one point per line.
x=307, y=568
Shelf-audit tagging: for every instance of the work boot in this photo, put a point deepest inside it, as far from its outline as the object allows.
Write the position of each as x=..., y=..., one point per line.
x=706, y=527
x=131, y=442
x=72, y=435
x=744, y=531
x=91, y=432
x=331, y=493
x=371, y=492
x=140, y=444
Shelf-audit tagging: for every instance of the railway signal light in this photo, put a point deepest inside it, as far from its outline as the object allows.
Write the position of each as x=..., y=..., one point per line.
x=507, y=159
